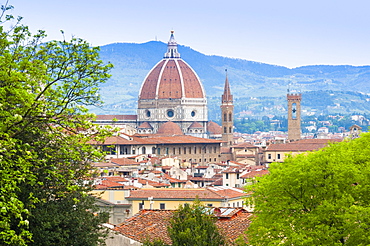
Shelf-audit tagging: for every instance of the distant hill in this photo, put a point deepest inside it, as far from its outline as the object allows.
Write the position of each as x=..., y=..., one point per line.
x=254, y=85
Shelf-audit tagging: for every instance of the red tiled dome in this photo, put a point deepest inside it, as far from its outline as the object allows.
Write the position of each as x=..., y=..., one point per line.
x=171, y=78
x=214, y=128
x=195, y=125
x=145, y=125
x=170, y=128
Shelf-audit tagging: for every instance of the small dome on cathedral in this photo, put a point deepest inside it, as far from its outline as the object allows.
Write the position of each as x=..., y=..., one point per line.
x=171, y=78
x=195, y=125
x=145, y=125
x=170, y=128
x=214, y=128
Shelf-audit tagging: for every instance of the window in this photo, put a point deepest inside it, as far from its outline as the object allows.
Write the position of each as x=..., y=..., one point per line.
x=269, y=156
x=189, y=150
x=179, y=151
x=153, y=150
x=225, y=129
x=184, y=150
x=294, y=110
x=121, y=150
x=141, y=206
x=225, y=117
x=162, y=206
x=195, y=150
x=227, y=176
x=278, y=156
x=170, y=113
x=174, y=151
x=110, y=150
x=210, y=205
x=237, y=175
x=158, y=151
x=143, y=150
x=230, y=129
x=230, y=118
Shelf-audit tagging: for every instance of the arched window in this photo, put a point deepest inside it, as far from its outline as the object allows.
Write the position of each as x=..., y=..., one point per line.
x=294, y=110
x=230, y=117
x=153, y=150
x=225, y=117
x=225, y=129
x=143, y=150
x=230, y=129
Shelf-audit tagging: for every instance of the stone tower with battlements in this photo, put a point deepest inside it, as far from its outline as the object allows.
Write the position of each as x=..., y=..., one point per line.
x=294, y=116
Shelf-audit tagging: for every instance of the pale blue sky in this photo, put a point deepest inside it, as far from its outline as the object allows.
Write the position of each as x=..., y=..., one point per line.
x=287, y=32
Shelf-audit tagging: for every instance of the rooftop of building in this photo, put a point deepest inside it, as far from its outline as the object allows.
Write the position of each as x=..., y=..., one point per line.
x=153, y=224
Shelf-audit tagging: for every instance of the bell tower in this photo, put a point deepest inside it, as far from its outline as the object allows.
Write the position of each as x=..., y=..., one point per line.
x=227, y=114
x=294, y=116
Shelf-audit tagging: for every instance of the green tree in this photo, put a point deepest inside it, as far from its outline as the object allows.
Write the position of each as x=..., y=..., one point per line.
x=320, y=198
x=44, y=158
x=194, y=225
x=191, y=225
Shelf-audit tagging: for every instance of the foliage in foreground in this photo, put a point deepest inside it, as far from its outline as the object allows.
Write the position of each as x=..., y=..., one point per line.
x=321, y=198
x=44, y=159
x=192, y=225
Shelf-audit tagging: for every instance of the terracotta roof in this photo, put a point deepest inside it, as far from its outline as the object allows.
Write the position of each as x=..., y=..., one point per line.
x=145, y=125
x=195, y=125
x=152, y=183
x=209, y=193
x=170, y=128
x=232, y=170
x=201, y=167
x=218, y=182
x=171, y=78
x=117, y=117
x=152, y=224
x=302, y=145
x=116, y=179
x=106, y=184
x=104, y=164
x=255, y=173
x=124, y=161
x=214, y=128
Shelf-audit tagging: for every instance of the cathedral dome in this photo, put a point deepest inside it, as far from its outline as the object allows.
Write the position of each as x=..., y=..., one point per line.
x=170, y=128
x=171, y=78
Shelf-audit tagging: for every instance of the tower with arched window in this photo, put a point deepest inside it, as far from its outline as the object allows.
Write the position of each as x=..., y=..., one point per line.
x=294, y=116
x=227, y=114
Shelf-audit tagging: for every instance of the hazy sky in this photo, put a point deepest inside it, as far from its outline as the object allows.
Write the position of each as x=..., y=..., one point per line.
x=282, y=32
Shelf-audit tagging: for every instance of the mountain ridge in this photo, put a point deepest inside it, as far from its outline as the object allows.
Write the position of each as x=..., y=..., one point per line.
x=248, y=79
